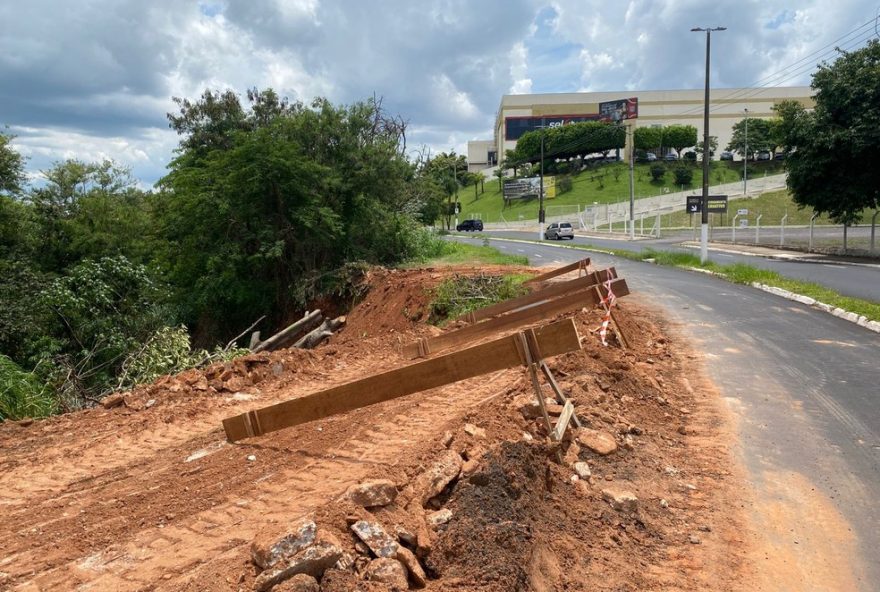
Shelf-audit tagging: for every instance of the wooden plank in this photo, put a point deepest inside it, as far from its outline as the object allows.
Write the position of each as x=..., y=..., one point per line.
x=505, y=352
x=514, y=320
x=548, y=293
x=560, y=396
x=564, y=418
x=582, y=264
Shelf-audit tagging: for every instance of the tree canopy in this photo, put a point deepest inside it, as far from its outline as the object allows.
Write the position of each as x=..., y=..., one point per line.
x=268, y=208
x=567, y=141
x=12, y=176
x=833, y=152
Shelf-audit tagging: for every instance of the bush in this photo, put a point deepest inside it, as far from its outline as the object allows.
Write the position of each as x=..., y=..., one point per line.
x=690, y=155
x=460, y=294
x=658, y=171
x=23, y=394
x=683, y=175
x=563, y=184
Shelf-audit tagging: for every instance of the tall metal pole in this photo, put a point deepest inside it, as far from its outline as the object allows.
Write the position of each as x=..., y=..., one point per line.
x=746, y=159
x=541, y=190
x=632, y=190
x=704, y=229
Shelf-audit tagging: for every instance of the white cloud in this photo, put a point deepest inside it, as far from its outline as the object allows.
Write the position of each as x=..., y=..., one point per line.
x=96, y=78
x=519, y=70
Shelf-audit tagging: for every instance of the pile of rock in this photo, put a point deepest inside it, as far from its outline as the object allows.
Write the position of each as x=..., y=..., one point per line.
x=307, y=557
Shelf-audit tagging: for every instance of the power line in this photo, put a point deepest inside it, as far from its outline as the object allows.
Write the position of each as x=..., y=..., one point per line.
x=785, y=74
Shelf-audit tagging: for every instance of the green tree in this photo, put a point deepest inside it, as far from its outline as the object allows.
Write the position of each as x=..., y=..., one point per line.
x=679, y=137
x=648, y=138
x=12, y=175
x=758, y=136
x=263, y=221
x=100, y=311
x=833, y=163
x=713, y=146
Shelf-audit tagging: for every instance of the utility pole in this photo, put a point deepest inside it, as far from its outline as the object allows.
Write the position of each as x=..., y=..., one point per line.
x=746, y=159
x=541, y=189
x=704, y=229
x=632, y=185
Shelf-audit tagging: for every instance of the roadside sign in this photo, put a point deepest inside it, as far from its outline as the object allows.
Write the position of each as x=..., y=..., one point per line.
x=744, y=223
x=742, y=212
x=717, y=204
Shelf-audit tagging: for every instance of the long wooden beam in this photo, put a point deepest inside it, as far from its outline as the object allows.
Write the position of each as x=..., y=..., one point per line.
x=582, y=264
x=551, y=340
x=548, y=293
x=534, y=314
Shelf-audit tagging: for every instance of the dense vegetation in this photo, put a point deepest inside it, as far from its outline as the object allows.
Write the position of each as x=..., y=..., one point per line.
x=266, y=207
x=834, y=151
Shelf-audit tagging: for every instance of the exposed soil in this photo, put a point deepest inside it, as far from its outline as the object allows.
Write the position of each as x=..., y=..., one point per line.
x=149, y=496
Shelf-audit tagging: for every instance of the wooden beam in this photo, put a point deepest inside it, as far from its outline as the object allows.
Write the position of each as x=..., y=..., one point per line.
x=514, y=320
x=292, y=332
x=505, y=352
x=564, y=418
x=553, y=291
x=582, y=264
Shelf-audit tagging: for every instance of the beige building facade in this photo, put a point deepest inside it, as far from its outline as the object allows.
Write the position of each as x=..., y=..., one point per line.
x=520, y=113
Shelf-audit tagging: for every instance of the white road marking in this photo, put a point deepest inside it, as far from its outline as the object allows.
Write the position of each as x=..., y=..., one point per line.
x=521, y=250
x=538, y=256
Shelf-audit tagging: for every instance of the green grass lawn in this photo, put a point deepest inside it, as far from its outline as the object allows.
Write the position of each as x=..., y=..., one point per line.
x=603, y=184
x=772, y=206
x=456, y=253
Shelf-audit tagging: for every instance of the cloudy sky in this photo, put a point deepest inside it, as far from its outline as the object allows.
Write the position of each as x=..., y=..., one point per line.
x=92, y=79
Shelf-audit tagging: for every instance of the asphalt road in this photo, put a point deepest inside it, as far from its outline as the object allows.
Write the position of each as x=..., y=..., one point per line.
x=858, y=281
x=804, y=385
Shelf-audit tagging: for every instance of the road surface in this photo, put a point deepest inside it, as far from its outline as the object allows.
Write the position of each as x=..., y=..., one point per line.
x=804, y=387
x=858, y=281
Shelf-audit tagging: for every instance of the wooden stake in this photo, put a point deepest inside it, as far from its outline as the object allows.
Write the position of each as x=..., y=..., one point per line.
x=553, y=291
x=576, y=266
x=514, y=320
x=505, y=352
x=560, y=396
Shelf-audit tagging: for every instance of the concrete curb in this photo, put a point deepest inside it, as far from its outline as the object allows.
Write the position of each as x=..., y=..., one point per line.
x=840, y=313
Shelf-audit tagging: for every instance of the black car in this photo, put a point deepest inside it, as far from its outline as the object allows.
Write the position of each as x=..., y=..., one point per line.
x=470, y=225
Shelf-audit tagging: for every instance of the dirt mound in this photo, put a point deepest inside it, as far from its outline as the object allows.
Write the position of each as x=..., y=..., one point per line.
x=149, y=495
x=497, y=520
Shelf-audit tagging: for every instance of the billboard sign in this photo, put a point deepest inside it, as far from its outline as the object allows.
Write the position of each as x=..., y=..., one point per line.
x=619, y=110
x=529, y=187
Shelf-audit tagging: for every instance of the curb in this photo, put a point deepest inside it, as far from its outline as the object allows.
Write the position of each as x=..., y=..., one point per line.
x=840, y=313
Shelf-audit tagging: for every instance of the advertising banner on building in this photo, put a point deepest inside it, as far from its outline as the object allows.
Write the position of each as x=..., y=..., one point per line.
x=619, y=110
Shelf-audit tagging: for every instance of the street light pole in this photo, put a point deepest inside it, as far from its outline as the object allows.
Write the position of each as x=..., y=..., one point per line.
x=746, y=159
x=704, y=229
x=632, y=186
x=541, y=188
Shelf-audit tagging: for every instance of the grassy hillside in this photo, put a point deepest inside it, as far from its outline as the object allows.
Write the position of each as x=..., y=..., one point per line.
x=772, y=206
x=604, y=184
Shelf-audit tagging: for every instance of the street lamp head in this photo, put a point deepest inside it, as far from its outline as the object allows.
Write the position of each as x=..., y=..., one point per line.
x=709, y=29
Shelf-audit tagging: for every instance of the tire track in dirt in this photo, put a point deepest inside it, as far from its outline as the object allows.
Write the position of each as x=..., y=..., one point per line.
x=132, y=561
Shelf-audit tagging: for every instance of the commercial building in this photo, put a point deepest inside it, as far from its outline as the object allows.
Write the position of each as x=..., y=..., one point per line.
x=518, y=114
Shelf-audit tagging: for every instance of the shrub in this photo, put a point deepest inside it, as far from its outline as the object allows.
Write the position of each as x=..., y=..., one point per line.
x=683, y=175
x=460, y=294
x=563, y=184
x=658, y=171
x=23, y=394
